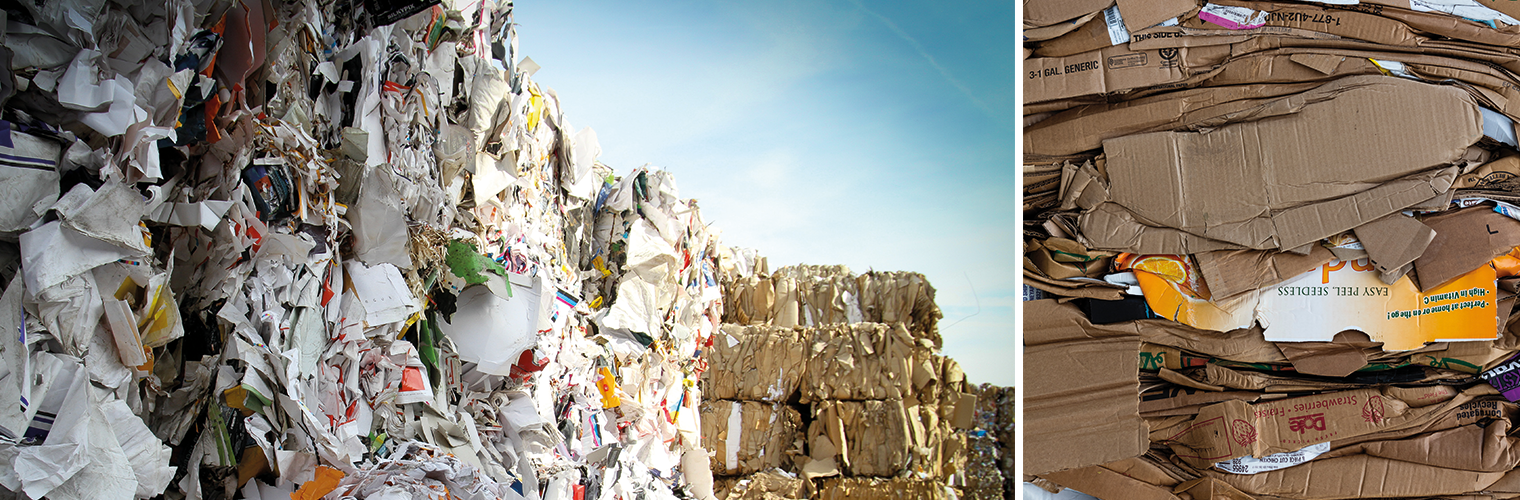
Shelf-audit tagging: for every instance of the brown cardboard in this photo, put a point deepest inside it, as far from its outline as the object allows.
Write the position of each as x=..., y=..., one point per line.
x=1081, y=391
x=1061, y=258
x=1086, y=38
x=1168, y=397
x=1500, y=171
x=1465, y=239
x=1288, y=182
x=1486, y=448
x=1340, y=22
x=965, y=412
x=1208, y=488
x=1141, y=14
x=756, y=363
x=1072, y=288
x=1235, y=429
x=1039, y=13
x=1234, y=272
x=1084, y=128
x=757, y=486
x=871, y=438
x=1111, y=69
x=1165, y=37
x=857, y=362
x=1058, y=29
x=879, y=489
x=1394, y=241
x=1103, y=483
x=1359, y=476
x=1328, y=359
x=768, y=435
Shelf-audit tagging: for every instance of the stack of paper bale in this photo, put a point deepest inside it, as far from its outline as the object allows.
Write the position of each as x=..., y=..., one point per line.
x=347, y=249
x=883, y=416
x=1270, y=248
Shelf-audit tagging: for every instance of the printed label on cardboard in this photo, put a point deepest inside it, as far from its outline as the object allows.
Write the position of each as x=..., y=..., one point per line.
x=1505, y=378
x=1252, y=465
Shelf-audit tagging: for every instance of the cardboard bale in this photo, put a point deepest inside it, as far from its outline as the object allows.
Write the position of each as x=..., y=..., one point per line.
x=983, y=475
x=755, y=363
x=857, y=362
x=865, y=438
x=748, y=300
x=857, y=488
x=813, y=295
x=1286, y=182
x=748, y=436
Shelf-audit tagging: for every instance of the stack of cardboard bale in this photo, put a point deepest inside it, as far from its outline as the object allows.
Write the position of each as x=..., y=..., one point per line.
x=820, y=373
x=1270, y=248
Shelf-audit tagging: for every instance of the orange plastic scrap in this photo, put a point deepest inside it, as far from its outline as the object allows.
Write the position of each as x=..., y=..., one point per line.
x=1508, y=265
x=325, y=481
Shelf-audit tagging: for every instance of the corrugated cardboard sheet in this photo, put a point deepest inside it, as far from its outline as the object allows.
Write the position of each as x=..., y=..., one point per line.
x=1284, y=183
x=1081, y=391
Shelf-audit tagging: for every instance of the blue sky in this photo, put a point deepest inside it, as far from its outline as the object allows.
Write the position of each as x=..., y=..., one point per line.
x=876, y=135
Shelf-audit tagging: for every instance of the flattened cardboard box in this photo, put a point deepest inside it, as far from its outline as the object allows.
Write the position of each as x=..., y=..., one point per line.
x=1234, y=429
x=1081, y=386
x=1112, y=69
x=1084, y=128
x=1360, y=476
x=1286, y=182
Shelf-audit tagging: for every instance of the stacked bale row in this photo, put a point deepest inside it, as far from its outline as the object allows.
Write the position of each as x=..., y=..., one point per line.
x=883, y=415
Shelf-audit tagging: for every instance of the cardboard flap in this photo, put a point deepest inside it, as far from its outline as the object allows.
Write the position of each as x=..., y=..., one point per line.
x=1323, y=63
x=1234, y=272
x=1394, y=241
x=1048, y=32
x=1039, y=13
x=1328, y=359
x=1465, y=240
x=1485, y=448
x=1104, y=483
x=1141, y=14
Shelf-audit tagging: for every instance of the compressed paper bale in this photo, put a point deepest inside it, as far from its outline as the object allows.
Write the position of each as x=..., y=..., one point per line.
x=858, y=362
x=748, y=436
x=755, y=363
x=767, y=485
x=901, y=297
x=749, y=300
x=869, y=438
x=983, y=476
x=854, y=488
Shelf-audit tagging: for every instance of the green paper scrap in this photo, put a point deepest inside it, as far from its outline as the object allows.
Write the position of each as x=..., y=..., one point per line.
x=466, y=262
